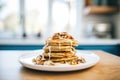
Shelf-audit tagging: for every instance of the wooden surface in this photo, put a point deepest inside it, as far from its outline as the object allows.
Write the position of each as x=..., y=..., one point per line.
x=107, y=69
x=101, y=10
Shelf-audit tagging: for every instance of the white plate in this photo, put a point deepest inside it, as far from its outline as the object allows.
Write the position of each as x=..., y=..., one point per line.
x=90, y=57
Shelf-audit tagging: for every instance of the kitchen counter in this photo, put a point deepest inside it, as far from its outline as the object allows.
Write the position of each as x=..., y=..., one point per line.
x=108, y=68
x=41, y=41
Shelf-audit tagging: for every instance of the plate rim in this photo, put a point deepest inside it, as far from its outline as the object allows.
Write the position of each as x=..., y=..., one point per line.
x=35, y=67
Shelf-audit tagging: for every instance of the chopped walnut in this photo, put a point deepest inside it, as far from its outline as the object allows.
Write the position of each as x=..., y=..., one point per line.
x=33, y=60
x=62, y=35
x=41, y=62
x=38, y=58
x=82, y=60
x=52, y=64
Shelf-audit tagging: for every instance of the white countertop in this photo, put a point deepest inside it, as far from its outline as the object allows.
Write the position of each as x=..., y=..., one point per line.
x=41, y=42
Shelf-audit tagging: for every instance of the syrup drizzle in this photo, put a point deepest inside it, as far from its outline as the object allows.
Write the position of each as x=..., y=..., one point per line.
x=71, y=46
x=43, y=58
x=49, y=51
x=59, y=44
x=45, y=45
x=70, y=43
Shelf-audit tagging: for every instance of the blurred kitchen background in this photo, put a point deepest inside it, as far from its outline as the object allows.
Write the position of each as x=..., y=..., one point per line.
x=26, y=24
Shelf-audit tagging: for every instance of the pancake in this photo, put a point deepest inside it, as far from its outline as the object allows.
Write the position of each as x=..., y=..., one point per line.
x=69, y=60
x=62, y=42
x=61, y=59
x=49, y=51
x=65, y=54
x=58, y=48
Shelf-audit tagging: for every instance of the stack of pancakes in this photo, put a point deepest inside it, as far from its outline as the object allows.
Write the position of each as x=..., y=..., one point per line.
x=59, y=49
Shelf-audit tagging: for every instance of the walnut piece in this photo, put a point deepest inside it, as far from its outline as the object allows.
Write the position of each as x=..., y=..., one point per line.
x=62, y=35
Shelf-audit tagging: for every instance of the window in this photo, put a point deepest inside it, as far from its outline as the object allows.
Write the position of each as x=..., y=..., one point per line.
x=64, y=15
x=9, y=18
x=37, y=18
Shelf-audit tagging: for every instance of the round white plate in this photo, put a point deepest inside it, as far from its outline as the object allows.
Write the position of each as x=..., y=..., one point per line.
x=90, y=57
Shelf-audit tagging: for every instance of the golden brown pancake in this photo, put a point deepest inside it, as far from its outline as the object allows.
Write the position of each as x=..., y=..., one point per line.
x=65, y=54
x=61, y=59
x=62, y=42
x=58, y=48
x=72, y=50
